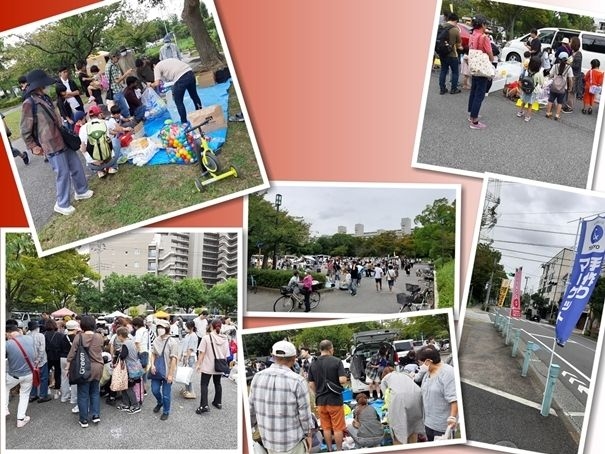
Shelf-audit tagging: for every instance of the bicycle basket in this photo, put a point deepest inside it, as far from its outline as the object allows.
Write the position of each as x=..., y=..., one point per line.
x=404, y=299
x=285, y=290
x=412, y=288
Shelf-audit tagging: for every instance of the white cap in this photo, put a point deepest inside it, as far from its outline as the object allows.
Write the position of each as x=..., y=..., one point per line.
x=283, y=349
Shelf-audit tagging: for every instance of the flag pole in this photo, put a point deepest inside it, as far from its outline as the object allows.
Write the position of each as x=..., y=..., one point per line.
x=554, y=343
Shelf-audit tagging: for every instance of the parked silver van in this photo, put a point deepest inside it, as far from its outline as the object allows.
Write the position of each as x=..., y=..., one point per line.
x=592, y=45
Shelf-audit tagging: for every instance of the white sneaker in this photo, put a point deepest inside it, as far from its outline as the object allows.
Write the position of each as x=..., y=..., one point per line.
x=87, y=195
x=22, y=422
x=64, y=211
x=75, y=409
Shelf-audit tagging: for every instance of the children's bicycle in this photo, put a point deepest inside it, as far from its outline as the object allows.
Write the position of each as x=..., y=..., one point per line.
x=291, y=300
x=208, y=161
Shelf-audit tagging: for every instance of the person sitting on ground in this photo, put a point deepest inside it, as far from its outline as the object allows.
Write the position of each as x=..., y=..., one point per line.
x=137, y=109
x=95, y=89
x=97, y=146
x=366, y=428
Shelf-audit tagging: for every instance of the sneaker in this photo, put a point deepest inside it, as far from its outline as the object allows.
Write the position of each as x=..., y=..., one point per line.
x=442, y=91
x=477, y=125
x=455, y=91
x=200, y=410
x=84, y=424
x=64, y=211
x=527, y=119
x=101, y=174
x=122, y=407
x=112, y=170
x=87, y=195
x=520, y=114
x=44, y=399
x=25, y=158
x=23, y=422
x=567, y=109
x=189, y=395
x=134, y=410
x=157, y=408
x=164, y=416
x=96, y=419
x=75, y=409
x=33, y=399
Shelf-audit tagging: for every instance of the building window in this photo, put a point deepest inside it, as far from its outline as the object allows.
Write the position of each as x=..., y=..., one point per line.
x=137, y=251
x=136, y=264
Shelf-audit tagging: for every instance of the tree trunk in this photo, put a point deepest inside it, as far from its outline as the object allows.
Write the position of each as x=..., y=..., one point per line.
x=191, y=15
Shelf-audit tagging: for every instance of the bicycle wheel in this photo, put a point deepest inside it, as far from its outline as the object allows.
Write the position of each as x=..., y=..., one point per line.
x=405, y=308
x=210, y=162
x=283, y=304
x=314, y=299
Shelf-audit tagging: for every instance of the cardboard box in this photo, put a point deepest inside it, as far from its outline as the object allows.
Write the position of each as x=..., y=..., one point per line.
x=205, y=79
x=215, y=111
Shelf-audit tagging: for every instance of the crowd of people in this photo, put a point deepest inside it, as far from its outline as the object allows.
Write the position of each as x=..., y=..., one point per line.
x=554, y=75
x=420, y=402
x=101, y=108
x=138, y=355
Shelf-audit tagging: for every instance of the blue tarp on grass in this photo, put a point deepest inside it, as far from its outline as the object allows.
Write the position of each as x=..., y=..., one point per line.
x=217, y=94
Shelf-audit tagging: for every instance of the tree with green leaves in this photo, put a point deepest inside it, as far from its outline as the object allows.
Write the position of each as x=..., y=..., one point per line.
x=435, y=235
x=191, y=292
x=426, y=326
x=339, y=335
x=158, y=291
x=223, y=296
x=121, y=291
x=595, y=305
x=487, y=261
x=88, y=298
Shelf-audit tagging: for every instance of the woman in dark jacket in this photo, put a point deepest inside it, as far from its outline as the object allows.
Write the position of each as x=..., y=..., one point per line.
x=54, y=341
x=89, y=402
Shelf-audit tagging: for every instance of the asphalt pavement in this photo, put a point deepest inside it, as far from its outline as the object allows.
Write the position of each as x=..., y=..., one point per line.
x=542, y=149
x=500, y=407
x=367, y=300
x=53, y=426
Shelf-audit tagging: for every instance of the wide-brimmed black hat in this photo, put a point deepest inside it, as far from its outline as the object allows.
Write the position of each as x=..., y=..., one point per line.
x=38, y=78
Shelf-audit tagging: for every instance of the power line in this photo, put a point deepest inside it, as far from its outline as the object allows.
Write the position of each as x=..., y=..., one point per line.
x=533, y=253
x=543, y=212
x=532, y=230
x=554, y=246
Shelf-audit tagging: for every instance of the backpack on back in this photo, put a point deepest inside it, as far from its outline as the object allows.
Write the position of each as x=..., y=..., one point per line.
x=559, y=83
x=442, y=45
x=98, y=145
x=527, y=83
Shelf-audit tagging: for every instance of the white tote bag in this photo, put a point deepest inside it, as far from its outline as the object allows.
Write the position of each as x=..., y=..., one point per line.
x=183, y=374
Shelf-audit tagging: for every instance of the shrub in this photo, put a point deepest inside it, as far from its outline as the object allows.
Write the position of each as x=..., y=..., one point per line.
x=276, y=278
x=445, y=284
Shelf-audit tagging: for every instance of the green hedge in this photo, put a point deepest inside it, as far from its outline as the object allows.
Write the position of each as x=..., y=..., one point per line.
x=445, y=284
x=276, y=278
x=10, y=102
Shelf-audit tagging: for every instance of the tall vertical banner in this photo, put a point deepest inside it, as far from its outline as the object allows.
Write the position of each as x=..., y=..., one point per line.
x=515, y=304
x=503, y=292
x=585, y=272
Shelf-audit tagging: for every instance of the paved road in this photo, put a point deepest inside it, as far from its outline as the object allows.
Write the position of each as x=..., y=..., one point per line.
x=53, y=426
x=500, y=406
x=576, y=359
x=543, y=150
x=367, y=300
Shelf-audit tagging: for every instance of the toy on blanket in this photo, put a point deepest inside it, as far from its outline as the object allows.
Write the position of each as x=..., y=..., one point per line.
x=179, y=144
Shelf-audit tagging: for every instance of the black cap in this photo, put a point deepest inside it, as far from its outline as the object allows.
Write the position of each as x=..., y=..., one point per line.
x=32, y=324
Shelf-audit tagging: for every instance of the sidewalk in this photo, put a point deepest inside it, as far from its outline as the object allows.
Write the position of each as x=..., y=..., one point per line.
x=501, y=407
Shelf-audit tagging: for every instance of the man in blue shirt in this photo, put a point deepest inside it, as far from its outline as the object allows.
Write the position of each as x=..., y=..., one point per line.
x=20, y=356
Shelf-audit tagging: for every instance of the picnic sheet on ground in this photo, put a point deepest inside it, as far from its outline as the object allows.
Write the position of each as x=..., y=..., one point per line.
x=217, y=94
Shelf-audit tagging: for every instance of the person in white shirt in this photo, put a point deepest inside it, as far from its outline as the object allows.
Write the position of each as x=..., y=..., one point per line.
x=101, y=167
x=169, y=49
x=378, y=273
x=201, y=325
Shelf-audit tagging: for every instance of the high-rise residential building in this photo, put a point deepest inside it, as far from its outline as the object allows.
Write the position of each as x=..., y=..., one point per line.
x=210, y=256
x=406, y=226
x=342, y=229
x=359, y=229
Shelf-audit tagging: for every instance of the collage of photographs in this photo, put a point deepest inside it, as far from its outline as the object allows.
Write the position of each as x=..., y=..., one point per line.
x=197, y=251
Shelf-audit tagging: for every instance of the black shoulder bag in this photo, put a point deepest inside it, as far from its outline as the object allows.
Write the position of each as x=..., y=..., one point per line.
x=220, y=364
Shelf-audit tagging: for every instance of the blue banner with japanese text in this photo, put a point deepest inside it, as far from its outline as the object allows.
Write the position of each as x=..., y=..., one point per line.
x=585, y=273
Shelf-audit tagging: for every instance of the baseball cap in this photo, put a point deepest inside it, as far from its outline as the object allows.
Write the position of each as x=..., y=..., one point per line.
x=163, y=323
x=563, y=56
x=79, y=115
x=283, y=349
x=95, y=110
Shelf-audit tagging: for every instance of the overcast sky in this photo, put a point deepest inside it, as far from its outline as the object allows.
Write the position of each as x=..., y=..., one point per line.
x=327, y=207
x=551, y=217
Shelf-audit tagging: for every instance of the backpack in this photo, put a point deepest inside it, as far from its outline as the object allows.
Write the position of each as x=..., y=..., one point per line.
x=527, y=83
x=104, y=82
x=495, y=50
x=442, y=45
x=98, y=145
x=79, y=368
x=559, y=83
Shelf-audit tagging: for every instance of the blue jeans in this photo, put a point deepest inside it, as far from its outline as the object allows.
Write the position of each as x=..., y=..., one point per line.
x=161, y=390
x=353, y=286
x=89, y=400
x=477, y=95
x=42, y=390
x=68, y=171
x=185, y=83
x=139, y=113
x=446, y=64
x=120, y=100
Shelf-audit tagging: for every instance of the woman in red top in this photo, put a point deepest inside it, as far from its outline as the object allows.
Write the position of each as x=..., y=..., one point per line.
x=480, y=41
x=592, y=78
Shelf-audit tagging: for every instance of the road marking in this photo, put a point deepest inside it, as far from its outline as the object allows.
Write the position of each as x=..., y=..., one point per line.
x=569, y=342
x=557, y=355
x=506, y=395
x=575, y=413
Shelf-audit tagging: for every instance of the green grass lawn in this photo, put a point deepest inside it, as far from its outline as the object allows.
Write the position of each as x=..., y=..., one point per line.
x=12, y=120
x=136, y=194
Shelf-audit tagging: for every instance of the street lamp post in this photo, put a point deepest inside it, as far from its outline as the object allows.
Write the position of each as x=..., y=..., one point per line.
x=277, y=205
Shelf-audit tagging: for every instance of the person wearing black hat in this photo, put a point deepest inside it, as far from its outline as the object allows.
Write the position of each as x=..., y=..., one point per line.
x=117, y=79
x=40, y=130
x=478, y=41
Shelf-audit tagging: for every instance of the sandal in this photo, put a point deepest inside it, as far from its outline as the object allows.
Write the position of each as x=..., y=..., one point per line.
x=557, y=117
x=584, y=111
x=590, y=111
x=548, y=115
